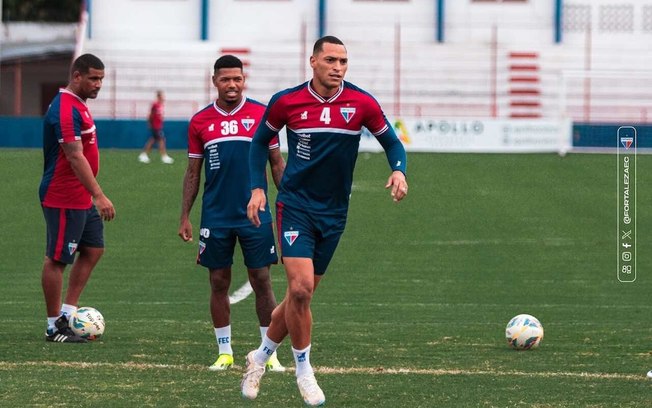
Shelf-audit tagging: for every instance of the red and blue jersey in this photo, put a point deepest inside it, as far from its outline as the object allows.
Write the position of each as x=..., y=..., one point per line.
x=223, y=140
x=323, y=137
x=67, y=120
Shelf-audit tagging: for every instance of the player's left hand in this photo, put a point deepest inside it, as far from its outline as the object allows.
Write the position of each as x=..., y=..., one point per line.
x=185, y=230
x=398, y=186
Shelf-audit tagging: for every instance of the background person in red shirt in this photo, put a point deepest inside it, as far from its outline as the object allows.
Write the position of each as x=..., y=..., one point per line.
x=155, y=122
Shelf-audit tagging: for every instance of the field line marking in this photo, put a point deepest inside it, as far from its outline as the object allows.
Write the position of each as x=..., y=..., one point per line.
x=241, y=294
x=438, y=372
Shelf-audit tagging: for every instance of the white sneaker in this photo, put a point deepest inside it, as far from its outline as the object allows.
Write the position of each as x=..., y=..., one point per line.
x=143, y=158
x=167, y=159
x=250, y=384
x=274, y=365
x=310, y=391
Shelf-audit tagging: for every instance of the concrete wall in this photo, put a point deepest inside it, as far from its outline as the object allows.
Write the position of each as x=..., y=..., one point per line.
x=236, y=22
x=145, y=20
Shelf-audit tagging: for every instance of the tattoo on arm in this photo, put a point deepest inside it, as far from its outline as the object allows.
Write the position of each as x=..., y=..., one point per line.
x=191, y=185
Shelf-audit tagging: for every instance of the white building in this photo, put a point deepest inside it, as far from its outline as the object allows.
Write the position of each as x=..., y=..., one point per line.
x=420, y=58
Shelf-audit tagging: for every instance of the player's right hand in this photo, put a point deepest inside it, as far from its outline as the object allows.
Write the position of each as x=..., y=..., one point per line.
x=185, y=230
x=256, y=204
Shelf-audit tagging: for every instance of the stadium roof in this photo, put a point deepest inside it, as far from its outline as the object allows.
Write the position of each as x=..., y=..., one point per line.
x=35, y=51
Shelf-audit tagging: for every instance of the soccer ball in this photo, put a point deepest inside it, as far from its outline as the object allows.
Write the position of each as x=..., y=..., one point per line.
x=88, y=323
x=524, y=332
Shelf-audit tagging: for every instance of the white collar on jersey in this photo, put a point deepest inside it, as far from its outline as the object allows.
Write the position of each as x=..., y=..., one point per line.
x=320, y=98
x=64, y=90
x=234, y=111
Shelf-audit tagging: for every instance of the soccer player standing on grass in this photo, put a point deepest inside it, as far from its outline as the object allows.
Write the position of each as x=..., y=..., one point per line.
x=73, y=202
x=155, y=123
x=324, y=119
x=219, y=137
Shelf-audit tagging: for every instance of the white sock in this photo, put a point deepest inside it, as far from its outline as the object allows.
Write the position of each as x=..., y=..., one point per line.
x=51, y=327
x=68, y=310
x=266, y=349
x=302, y=361
x=263, y=332
x=223, y=337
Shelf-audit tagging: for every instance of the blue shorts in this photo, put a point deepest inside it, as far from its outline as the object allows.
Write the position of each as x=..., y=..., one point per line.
x=67, y=230
x=157, y=134
x=305, y=235
x=216, y=246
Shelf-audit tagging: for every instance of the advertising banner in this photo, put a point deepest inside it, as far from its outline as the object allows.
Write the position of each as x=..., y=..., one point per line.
x=478, y=135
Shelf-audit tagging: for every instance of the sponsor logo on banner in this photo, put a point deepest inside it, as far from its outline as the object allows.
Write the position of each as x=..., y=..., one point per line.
x=291, y=236
x=248, y=123
x=401, y=131
x=347, y=113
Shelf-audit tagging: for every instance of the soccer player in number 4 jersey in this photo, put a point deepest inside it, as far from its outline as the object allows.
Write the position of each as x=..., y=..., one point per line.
x=323, y=119
x=219, y=137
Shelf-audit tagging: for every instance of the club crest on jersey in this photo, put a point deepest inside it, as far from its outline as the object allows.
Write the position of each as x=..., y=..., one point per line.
x=304, y=115
x=202, y=247
x=72, y=247
x=291, y=236
x=248, y=123
x=347, y=113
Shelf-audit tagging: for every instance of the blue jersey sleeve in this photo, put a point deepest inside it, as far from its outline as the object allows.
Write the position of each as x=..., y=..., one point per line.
x=259, y=151
x=258, y=154
x=394, y=150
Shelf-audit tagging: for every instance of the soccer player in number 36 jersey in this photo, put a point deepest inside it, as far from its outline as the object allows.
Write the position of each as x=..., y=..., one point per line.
x=323, y=119
x=73, y=202
x=219, y=137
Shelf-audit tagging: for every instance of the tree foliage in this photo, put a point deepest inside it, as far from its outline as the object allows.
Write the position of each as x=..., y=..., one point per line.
x=64, y=11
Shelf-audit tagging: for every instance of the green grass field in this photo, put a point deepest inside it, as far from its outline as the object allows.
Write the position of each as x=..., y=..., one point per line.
x=411, y=313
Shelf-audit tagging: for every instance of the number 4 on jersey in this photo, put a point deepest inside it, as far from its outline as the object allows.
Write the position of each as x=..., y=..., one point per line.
x=326, y=115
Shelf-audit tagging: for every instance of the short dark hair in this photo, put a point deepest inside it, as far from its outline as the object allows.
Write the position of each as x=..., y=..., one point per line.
x=85, y=62
x=319, y=44
x=227, y=61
